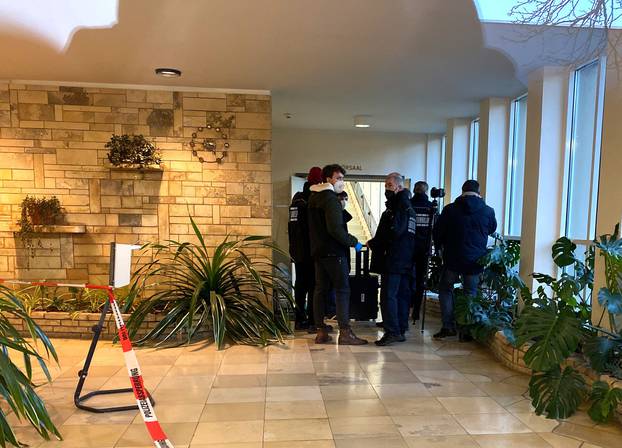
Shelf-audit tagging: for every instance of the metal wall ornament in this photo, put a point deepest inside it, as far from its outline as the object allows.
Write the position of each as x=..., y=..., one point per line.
x=211, y=144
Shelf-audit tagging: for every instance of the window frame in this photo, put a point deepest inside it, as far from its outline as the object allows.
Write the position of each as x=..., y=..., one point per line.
x=473, y=150
x=596, y=149
x=512, y=140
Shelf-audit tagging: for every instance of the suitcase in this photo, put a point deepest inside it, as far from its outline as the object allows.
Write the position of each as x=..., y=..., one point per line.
x=363, y=290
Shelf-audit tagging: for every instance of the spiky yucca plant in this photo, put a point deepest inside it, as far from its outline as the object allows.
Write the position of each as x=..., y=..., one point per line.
x=16, y=384
x=223, y=290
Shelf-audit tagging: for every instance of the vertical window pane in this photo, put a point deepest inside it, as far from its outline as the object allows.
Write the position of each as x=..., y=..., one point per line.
x=443, y=144
x=583, y=160
x=516, y=168
x=473, y=149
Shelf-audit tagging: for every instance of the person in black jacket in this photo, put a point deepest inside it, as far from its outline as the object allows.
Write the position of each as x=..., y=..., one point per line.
x=393, y=249
x=300, y=251
x=462, y=233
x=330, y=249
x=423, y=211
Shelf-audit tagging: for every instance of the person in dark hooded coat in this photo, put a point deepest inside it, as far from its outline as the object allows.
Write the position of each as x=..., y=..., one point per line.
x=461, y=233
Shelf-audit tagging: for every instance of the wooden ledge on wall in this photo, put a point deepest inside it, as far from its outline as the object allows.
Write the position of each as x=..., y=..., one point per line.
x=138, y=168
x=72, y=228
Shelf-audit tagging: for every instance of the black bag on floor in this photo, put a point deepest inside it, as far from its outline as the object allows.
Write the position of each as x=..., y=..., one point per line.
x=363, y=290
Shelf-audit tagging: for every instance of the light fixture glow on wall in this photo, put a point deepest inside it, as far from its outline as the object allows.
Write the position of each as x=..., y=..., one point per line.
x=362, y=121
x=168, y=72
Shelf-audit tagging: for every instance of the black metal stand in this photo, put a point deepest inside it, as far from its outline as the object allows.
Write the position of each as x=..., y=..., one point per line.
x=433, y=214
x=82, y=374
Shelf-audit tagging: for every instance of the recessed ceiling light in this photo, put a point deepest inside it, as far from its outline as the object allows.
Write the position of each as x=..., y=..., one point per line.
x=168, y=72
x=362, y=121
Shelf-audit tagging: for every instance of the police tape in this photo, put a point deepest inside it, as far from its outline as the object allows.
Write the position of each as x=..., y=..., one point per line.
x=145, y=407
x=140, y=393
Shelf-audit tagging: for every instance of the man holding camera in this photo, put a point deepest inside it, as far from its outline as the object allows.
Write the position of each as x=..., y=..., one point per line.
x=393, y=249
x=461, y=232
x=330, y=248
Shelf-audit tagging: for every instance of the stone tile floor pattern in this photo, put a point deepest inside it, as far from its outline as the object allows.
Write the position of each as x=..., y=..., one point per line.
x=421, y=393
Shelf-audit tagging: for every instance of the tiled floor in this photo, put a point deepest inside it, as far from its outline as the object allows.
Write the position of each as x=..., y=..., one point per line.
x=420, y=393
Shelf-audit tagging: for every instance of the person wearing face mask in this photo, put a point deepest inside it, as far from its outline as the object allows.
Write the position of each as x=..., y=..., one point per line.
x=393, y=252
x=330, y=248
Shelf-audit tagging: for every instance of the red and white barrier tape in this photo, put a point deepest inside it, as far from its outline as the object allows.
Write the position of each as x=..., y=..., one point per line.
x=136, y=379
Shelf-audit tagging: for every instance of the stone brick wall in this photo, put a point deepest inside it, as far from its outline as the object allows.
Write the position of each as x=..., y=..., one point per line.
x=63, y=325
x=52, y=143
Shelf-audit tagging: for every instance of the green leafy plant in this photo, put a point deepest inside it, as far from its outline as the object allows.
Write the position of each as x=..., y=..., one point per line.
x=124, y=150
x=16, y=385
x=557, y=393
x=555, y=332
x=37, y=211
x=225, y=290
x=494, y=308
x=557, y=324
x=604, y=346
x=605, y=401
x=574, y=286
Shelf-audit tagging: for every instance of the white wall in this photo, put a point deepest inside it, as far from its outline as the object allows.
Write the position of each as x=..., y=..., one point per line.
x=378, y=153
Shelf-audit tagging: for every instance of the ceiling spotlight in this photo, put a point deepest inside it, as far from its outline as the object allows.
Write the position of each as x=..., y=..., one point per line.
x=287, y=115
x=362, y=121
x=168, y=72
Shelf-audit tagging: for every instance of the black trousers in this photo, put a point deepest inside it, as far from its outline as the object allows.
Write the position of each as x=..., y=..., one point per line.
x=332, y=273
x=421, y=258
x=303, y=291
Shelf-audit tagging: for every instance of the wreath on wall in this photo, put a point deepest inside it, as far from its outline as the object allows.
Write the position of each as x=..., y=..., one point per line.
x=218, y=147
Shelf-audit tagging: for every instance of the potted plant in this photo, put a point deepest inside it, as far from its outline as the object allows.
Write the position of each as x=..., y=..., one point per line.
x=132, y=151
x=223, y=291
x=37, y=212
x=18, y=388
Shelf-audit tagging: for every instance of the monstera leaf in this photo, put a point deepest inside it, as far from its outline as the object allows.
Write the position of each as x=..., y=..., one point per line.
x=600, y=350
x=611, y=300
x=556, y=393
x=605, y=401
x=555, y=334
x=563, y=252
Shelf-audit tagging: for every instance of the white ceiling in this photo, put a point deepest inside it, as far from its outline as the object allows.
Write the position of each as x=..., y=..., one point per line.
x=412, y=64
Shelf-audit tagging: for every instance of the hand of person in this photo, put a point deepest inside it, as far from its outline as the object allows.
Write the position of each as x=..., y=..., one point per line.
x=358, y=247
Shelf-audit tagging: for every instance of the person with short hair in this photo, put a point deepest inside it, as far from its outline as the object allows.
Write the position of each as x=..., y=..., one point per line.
x=423, y=208
x=462, y=232
x=330, y=248
x=393, y=248
x=300, y=251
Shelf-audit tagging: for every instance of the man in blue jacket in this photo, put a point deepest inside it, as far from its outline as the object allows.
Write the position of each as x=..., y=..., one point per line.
x=462, y=233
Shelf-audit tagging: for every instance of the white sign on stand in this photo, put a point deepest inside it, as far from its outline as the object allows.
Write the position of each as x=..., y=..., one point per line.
x=121, y=263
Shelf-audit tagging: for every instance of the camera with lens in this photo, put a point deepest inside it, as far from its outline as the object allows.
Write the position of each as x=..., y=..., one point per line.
x=437, y=192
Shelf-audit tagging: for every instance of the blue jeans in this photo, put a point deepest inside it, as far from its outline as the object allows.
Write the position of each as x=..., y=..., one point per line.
x=395, y=302
x=446, y=294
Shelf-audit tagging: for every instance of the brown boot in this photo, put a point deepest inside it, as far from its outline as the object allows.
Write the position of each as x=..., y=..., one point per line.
x=322, y=336
x=347, y=337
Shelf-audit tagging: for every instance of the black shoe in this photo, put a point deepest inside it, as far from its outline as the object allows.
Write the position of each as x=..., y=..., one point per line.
x=402, y=338
x=464, y=337
x=388, y=339
x=380, y=324
x=444, y=333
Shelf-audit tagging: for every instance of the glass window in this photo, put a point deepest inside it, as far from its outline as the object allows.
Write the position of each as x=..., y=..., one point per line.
x=516, y=166
x=441, y=201
x=442, y=173
x=583, y=158
x=473, y=148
